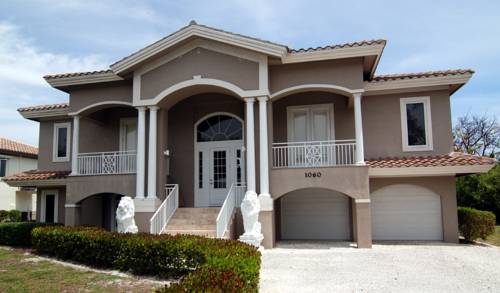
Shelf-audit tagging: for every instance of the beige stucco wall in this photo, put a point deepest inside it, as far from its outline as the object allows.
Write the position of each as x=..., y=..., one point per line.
x=345, y=72
x=382, y=125
x=444, y=186
x=81, y=187
x=81, y=97
x=206, y=63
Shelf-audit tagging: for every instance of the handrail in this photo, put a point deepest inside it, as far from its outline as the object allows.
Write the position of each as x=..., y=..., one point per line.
x=166, y=210
x=99, y=163
x=233, y=200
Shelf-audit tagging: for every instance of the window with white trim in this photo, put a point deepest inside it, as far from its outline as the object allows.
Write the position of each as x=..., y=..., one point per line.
x=416, y=125
x=3, y=167
x=49, y=206
x=61, y=143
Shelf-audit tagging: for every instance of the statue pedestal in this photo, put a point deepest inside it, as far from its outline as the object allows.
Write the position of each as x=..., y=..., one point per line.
x=252, y=239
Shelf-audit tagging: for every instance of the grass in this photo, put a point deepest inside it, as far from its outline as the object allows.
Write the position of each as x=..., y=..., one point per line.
x=495, y=238
x=21, y=272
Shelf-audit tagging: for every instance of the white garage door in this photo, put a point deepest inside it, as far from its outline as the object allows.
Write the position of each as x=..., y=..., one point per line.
x=406, y=212
x=315, y=214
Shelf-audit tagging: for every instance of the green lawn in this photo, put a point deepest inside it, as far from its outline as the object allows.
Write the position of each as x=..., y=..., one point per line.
x=26, y=273
x=495, y=238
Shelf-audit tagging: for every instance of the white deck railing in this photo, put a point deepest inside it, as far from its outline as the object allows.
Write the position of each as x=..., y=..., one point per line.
x=233, y=200
x=123, y=162
x=314, y=154
x=164, y=213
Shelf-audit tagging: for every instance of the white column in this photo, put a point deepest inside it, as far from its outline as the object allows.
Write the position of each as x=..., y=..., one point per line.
x=265, y=198
x=74, y=149
x=141, y=152
x=358, y=125
x=250, y=145
x=152, y=152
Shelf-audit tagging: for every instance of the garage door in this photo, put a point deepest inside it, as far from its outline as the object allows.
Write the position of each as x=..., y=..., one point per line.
x=406, y=212
x=315, y=214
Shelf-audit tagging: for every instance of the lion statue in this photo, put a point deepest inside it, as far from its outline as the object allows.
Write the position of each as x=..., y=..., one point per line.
x=250, y=209
x=125, y=216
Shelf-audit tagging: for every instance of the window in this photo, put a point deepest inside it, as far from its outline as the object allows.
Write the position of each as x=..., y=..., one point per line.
x=416, y=124
x=128, y=134
x=310, y=123
x=61, y=142
x=3, y=167
x=49, y=206
x=219, y=128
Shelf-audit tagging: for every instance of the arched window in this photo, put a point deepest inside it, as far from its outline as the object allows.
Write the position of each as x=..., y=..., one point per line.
x=219, y=128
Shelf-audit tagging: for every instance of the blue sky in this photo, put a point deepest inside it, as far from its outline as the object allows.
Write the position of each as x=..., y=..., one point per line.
x=43, y=37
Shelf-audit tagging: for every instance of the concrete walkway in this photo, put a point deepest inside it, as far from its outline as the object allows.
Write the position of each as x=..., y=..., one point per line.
x=387, y=267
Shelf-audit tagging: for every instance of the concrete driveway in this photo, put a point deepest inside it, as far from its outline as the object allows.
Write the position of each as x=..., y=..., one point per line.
x=387, y=267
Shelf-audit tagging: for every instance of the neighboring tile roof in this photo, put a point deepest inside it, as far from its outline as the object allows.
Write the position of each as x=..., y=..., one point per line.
x=44, y=107
x=75, y=74
x=421, y=74
x=453, y=159
x=34, y=175
x=339, y=46
x=11, y=147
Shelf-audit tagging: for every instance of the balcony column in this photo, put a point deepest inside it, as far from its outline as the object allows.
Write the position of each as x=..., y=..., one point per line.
x=141, y=152
x=265, y=198
x=152, y=152
x=358, y=125
x=74, y=148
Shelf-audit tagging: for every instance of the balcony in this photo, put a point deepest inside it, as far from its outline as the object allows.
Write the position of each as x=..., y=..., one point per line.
x=105, y=163
x=307, y=154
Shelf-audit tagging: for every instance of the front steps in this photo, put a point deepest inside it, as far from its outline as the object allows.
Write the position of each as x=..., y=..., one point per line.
x=194, y=221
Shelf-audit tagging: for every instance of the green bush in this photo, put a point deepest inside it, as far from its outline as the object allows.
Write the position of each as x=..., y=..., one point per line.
x=10, y=216
x=206, y=265
x=19, y=233
x=474, y=224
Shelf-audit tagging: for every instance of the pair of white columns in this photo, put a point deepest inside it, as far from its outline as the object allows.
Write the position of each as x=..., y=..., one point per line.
x=265, y=197
x=141, y=152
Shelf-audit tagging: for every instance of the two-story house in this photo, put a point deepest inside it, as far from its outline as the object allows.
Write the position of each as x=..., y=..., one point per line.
x=189, y=124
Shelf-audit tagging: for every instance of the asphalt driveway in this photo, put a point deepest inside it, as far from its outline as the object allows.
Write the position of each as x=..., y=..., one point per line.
x=387, y=267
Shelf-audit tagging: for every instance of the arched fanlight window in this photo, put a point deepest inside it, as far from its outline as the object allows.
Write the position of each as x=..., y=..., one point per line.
x=219, y=128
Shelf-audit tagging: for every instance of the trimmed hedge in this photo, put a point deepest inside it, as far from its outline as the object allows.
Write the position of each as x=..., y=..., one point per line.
x=18, y=234
x=10, y=216
x=206, y=265
x=474, y=224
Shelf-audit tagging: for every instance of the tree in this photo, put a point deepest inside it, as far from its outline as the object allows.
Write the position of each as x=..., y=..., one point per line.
x=478, y=135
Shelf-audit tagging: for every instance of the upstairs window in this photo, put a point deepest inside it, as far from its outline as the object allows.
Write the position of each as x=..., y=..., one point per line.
x=3, y=167
x=416, y=124
x=61, y=142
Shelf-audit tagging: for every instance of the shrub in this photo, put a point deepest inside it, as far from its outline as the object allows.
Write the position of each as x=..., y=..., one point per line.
x=10, y=216
x=19, y=233
x=474, y=224
x=209, y=265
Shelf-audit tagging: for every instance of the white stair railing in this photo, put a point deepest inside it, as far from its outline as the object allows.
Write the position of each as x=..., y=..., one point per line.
x=100, y=163
x=233, y=200
x=164, y=213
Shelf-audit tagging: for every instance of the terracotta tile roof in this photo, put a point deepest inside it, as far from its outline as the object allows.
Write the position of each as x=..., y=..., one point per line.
x=44, y=107
x=421, y=74
x=34, y=175
x=453, y=159
x=11, y=147
x=339, y=46
x=75, y=74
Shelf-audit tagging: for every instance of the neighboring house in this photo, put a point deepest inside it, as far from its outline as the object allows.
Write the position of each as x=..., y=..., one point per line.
x=204, y=115
x=16, y=157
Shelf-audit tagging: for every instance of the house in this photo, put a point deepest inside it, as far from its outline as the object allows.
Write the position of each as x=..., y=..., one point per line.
x=16, y=157
x=189, y=124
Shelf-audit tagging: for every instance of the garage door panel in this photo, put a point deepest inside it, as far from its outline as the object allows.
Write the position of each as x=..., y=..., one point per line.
x=315, y=214
x=406, y=212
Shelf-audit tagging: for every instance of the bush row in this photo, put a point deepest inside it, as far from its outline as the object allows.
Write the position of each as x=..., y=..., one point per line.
x=206, y=265
x=474, y=224
x=10, y=216
x=19, y=233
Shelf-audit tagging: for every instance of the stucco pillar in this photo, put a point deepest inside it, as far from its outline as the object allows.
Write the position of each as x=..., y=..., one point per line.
x=141, y=152
x=74, y=145
x=358, y=125
x=250, y=145
x=72, y=214
x=153, y=111
x=266, y=202
x=363, y=223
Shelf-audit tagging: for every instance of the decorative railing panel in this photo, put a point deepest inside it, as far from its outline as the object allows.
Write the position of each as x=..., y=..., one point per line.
x=123, y=162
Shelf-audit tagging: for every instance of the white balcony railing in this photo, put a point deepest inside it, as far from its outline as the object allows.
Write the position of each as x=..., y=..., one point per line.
x=233, y=200
x=164, y=213
x=314, y=154
x=123, y=162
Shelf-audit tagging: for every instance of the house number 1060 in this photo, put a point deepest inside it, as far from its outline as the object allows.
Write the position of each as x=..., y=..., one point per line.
x=312, y=174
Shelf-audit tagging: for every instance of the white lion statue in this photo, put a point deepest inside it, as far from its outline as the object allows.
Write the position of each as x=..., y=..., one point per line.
x=125, y=216
x=250, y=209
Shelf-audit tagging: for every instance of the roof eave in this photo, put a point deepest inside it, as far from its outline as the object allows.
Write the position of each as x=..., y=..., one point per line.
x=63, y=82
x=375, y=172
x=37, y=115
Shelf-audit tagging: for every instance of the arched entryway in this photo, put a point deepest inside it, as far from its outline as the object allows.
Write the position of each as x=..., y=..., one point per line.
x=99, y=210
x=218, y=157
x=314, y=214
